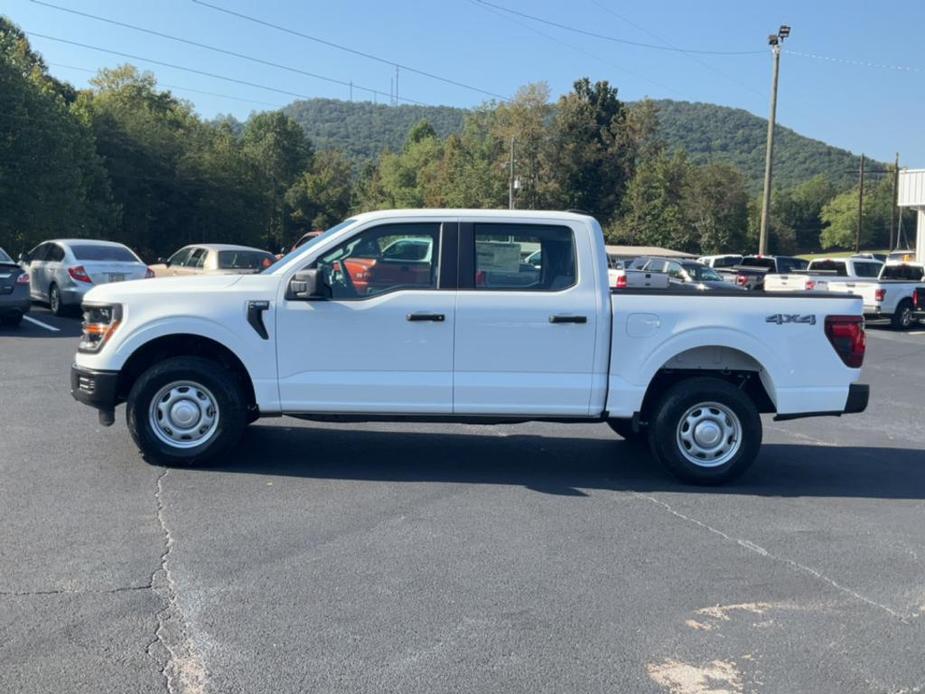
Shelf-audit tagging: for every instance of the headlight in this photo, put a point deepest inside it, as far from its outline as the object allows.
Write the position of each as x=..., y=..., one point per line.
x=99, y=323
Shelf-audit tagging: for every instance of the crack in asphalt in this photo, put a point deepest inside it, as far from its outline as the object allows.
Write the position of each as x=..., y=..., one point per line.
x=172, y=646
x=70, y=591
x=757, y=549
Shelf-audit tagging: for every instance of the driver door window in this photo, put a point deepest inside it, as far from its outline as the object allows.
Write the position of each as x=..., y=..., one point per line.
x=383, y=259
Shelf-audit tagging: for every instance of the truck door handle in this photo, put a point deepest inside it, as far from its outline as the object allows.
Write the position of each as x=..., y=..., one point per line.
x=568, y=319
x=418, y=317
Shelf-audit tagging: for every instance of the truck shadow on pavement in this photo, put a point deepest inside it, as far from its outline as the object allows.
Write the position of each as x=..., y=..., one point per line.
x=560, y=465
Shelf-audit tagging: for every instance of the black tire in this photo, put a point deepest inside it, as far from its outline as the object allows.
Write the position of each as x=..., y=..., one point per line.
x=733, y=453
x=12, y=320
x=54, y=300
x=624, y=429
x=903, y=318
x=230, y=410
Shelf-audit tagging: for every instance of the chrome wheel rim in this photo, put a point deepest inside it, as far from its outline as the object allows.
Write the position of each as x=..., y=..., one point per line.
x=906, y=317
x=53, y=299
x=184, y=414
x=709, y=434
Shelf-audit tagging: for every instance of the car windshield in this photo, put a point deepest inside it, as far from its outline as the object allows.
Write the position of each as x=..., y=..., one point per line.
x=244, y=260
x=90, y=251
x=702, y=273
x=4, y=257
x=308, y=244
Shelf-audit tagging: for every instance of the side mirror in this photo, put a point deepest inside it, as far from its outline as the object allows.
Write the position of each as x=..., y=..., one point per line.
x=308, y=285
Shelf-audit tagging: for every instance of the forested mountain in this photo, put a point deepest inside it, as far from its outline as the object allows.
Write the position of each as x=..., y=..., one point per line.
x=363, y=129
x=707, y=132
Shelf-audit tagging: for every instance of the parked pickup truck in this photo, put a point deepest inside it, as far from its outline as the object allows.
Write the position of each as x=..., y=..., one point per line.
x=918, y=303
x=820, y=272
x=481, y=337
x=753, y=269
x=891, y=295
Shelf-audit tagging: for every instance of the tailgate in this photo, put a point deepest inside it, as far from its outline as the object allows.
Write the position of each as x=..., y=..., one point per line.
x=865, y=290
x=785, y=283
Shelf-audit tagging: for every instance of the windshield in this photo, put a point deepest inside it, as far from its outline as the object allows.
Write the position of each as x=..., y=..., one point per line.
x=702, y=273
x=308, y=244
x=4, y=258
x=87, y=251
x=244, y=260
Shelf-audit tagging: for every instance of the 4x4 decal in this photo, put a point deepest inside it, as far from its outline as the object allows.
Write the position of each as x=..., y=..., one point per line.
x=781, y=318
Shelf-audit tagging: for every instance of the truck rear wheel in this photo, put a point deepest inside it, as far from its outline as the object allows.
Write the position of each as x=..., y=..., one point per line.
x=705, y=431
x=185, y=410
x=903, y=318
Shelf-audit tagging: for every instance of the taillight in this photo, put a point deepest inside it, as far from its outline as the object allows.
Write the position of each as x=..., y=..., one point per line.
x=23, y=278
x=846, y=333
x=918, y=299
x=810, y=285
x=621, y=282
x=78, y=273
x=149, y=273
x=741, y=280
x=880, y=294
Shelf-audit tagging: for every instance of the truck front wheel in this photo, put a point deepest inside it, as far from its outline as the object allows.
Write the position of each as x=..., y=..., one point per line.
x=185, y=410
x=705, y=431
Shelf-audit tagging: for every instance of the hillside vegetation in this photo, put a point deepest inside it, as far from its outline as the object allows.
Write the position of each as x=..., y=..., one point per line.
x=706, y=132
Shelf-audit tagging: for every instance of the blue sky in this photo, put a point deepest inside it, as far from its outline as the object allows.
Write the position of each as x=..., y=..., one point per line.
x=858, y=102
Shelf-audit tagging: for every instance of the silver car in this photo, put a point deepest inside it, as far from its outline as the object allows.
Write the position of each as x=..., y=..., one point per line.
x=63, y=270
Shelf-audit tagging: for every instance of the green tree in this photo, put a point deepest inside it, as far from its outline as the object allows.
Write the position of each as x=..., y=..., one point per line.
x=717, y=206
x=525, y=120
x=52, y=183
x=588, y=164
x=655, y=208
x=321, y=197
x=280, y=151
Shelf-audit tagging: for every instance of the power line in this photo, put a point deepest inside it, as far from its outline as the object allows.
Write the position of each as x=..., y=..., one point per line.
x=860, y=63
x=178, y=87
x=555, y=39
x=606, y=37
x=668, y=43
x=347, y=49
x=215, y=49
x=202, y=72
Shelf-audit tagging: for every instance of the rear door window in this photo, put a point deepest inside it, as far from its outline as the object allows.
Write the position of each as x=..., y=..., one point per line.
x=55, y=253
x=502, y=250
x=865, y=269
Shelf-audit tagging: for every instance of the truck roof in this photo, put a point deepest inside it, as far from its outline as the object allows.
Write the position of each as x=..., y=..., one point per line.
x=445, y=212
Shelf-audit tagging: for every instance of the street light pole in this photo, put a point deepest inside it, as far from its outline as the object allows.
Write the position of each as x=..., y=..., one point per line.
x=775, y=41
x=510, y=183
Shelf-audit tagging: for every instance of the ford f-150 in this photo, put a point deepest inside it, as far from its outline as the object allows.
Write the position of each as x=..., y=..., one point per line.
x=464, y=332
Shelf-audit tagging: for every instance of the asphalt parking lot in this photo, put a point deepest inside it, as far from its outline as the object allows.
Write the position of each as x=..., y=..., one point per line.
x=412, y=558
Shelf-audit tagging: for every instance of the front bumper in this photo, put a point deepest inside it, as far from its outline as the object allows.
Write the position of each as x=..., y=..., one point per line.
x=858, y=397
x=97, y=389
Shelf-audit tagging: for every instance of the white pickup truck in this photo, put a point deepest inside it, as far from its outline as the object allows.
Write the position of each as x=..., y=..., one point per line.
x=460, y=329
x=821, y=271
x=891, y=295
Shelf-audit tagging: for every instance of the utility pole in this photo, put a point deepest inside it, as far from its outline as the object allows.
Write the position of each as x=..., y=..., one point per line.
x=351, y=90
x=893, y=200
x=775, y=41
x=396, y=85
x=510, y=182
x=857, y=233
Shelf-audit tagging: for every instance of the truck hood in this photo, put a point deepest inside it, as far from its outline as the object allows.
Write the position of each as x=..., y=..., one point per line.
x=117, y=291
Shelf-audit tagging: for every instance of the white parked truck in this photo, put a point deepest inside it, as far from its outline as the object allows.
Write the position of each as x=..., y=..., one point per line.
x=821, y=271
x=891, y=295
x=466, y=332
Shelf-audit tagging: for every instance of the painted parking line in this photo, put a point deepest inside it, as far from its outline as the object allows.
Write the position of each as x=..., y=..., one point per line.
x=41, y=324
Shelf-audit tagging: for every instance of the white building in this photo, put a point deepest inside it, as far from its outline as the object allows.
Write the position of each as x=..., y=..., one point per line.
x=912, y=194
